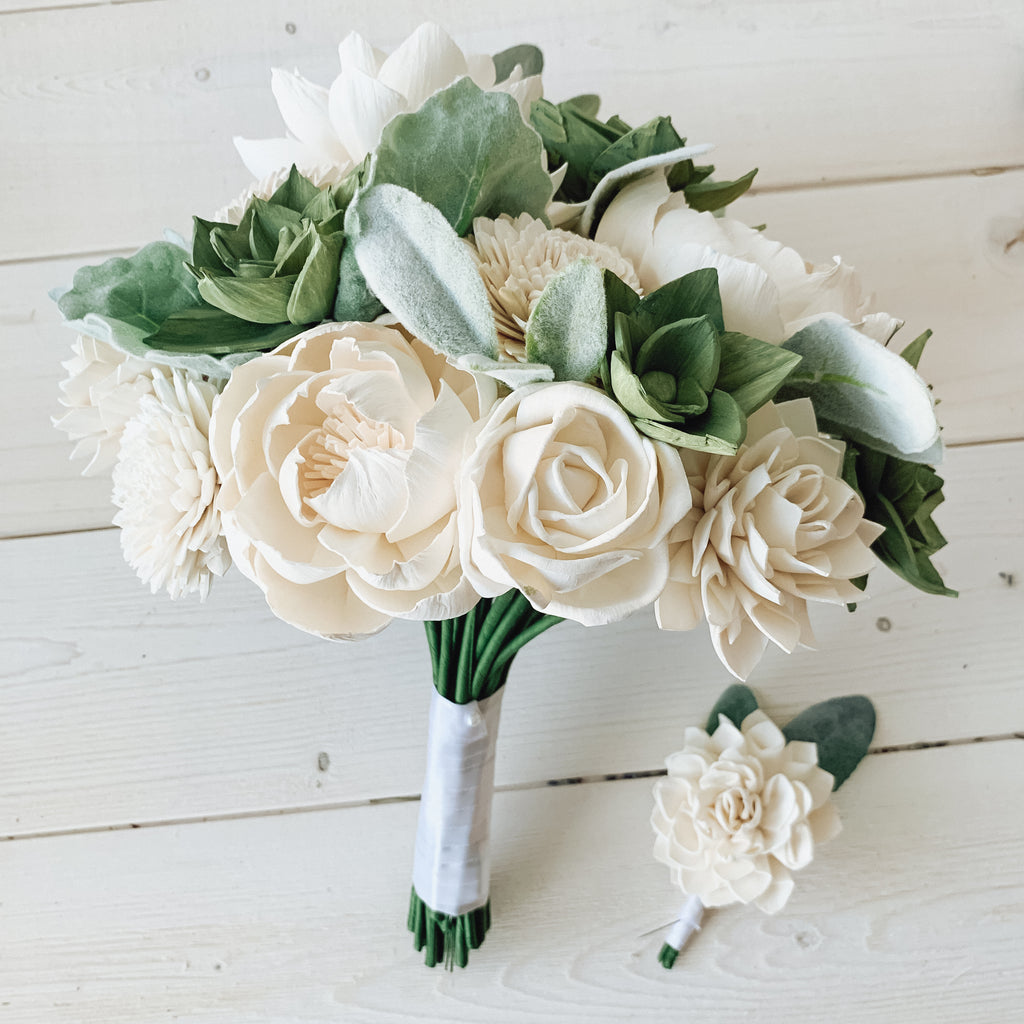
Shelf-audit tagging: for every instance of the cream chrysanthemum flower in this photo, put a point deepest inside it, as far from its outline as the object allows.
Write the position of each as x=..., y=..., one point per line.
x=771, y=528
x=165, y=487
x=518, y=257
x=101, y=393
x=739, y=810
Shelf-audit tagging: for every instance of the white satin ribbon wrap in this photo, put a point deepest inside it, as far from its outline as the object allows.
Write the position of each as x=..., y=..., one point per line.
x=452, y=868
x=687, y=923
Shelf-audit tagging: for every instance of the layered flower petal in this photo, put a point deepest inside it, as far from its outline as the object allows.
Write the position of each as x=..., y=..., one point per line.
x=771, y=528
x=165, y=488
x=564, y=500
x=100, y=393
x=339, y=452
x=768, y=290
x=338, y=126
x=738, y=811
x=518, y=256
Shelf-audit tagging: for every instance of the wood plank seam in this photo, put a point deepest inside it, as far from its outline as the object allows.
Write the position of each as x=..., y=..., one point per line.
x=519, y=787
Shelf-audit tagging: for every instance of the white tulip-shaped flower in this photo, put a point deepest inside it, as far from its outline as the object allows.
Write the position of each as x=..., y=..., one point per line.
x=165, y=487
x=771, y=528
x=739, y=811
x=565, y=501
x=768, y=290
x=518, y=256
x=339, y=452
x=337, y=127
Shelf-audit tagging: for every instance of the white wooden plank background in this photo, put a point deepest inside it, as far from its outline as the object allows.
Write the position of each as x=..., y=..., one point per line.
x=262, y=887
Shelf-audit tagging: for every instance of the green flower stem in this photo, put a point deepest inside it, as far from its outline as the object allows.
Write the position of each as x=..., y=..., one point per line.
x=685, y=925
x=667, y=957
x=471, y=656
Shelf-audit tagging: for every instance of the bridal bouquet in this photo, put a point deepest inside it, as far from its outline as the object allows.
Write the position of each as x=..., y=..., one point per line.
x=465, y=355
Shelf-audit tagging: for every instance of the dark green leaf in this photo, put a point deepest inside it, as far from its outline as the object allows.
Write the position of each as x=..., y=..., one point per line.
x=354, y=300
x=212, y=331
x=913, y=352
x=297, y=191
x=525, y=55
x=587, y=104
x=752, y=371
x=714, y=195
x=312, y=298
x=692, y=295
x=655, y=137
x=842, y=728
x=736, y=703
x=261, y=302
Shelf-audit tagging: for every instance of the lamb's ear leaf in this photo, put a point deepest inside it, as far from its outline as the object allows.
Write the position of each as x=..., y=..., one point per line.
x=422, y=272
x=842, y=728
x=568, y=328
x=735, y=703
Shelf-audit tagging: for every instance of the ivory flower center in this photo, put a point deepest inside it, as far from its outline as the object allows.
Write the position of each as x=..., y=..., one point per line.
x=326, y=451
x=737, y=809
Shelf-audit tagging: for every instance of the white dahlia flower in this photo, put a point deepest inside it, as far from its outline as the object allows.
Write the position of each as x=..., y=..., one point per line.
x=338, y=126
x=740, y=810
x=165, y=487
x=772, y=527
x=101, y=393
x=518, y=257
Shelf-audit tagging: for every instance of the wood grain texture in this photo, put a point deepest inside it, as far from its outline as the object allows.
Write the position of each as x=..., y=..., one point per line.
x=300, y=918
x=811, y=92
x=120, y=707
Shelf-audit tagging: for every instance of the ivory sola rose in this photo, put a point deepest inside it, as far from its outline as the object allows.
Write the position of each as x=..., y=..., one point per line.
x=338, y=453
x=739, y=810
x=564, y=500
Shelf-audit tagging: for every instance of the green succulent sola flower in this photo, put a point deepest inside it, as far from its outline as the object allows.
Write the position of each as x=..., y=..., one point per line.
x=281, y=263
x=679, y=374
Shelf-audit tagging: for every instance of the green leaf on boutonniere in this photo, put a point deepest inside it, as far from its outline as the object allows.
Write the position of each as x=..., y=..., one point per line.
x=681, y=378
x=568, y=329
x=736, y=703
x=842, y=729
x=525, y=56
x=416, y=264
x=468, y=153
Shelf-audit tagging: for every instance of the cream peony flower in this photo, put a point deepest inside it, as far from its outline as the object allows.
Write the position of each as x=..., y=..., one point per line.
x=771, y=528
x=517, y=257
x=339, y=126
x=101, y=393
x=166, y=487
x=739, y=811
x=768, y=290
x=564, y=500
x=338, y=452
